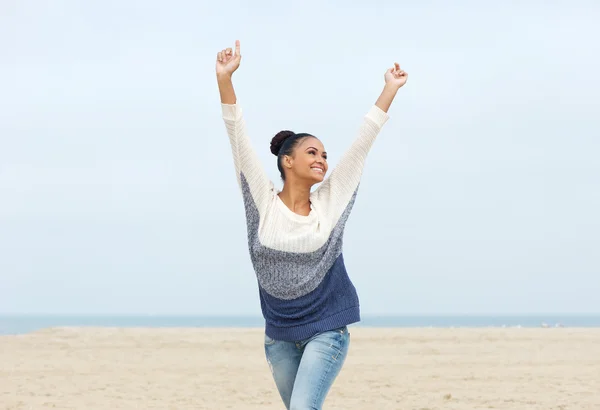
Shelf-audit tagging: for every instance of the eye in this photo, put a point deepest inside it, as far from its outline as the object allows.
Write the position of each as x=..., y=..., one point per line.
x=325, y=157
x=311, y=152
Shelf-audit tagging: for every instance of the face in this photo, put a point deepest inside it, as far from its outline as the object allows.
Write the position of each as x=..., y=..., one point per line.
x=309, y=161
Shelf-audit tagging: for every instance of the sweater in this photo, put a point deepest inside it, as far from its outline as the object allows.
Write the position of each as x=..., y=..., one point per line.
x=303, y=285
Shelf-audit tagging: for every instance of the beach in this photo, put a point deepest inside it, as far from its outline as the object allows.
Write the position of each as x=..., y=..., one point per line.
x=400, y=368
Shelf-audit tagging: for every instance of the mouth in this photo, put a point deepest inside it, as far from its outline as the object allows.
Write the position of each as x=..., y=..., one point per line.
x=318, y=170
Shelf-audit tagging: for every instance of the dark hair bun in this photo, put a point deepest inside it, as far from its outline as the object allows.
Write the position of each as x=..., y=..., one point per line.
x=278, y=140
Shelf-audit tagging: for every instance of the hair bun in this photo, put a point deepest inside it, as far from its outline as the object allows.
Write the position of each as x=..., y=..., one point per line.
x=278, y=141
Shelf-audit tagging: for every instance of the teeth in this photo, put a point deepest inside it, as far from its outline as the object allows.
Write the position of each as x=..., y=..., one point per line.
x=318, y=169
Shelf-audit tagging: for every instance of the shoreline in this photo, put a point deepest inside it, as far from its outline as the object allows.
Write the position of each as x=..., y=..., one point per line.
x=23, y=324
x=224, y=329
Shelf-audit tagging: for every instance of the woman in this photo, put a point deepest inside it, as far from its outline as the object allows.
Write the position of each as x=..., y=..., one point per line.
x=295, y=242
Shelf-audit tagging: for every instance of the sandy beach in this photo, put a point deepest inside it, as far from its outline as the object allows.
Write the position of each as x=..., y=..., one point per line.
x=422, y=369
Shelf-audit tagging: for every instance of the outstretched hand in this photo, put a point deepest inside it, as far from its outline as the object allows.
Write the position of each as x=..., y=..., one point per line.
x=227, y=61
x=395, y=76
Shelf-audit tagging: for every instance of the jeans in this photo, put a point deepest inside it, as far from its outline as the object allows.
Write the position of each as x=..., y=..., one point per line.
x=305, y=370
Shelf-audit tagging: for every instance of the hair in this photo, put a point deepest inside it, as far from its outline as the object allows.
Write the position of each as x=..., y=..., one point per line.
x=284, y=143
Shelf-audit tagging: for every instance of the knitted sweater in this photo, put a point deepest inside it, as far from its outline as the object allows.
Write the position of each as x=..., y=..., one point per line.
x=304, y=288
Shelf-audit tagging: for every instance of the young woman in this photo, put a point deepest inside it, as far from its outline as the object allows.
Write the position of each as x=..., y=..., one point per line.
x=295, y=241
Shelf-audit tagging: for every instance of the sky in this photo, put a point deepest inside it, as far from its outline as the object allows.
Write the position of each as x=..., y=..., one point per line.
x=118, y=195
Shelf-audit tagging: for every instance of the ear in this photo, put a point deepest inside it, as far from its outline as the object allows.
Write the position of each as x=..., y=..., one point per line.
x=287, y=161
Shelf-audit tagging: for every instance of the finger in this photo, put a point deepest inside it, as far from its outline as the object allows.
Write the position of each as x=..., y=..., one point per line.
x=220, y=56
x=397, y=66
x=228, y=51
x=237, y=48
x=224, y=54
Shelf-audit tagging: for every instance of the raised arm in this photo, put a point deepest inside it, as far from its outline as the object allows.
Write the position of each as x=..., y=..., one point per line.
x=338, y=190
x=253, y=181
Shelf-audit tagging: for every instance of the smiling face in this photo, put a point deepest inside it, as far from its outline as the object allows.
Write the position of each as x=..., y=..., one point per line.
x=308, y=162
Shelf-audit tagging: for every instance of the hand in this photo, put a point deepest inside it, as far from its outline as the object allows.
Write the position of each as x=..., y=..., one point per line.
x=227, y=62
x=395, y=76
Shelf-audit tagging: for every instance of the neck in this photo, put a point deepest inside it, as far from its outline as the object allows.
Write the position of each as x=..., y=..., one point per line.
x=296, y=197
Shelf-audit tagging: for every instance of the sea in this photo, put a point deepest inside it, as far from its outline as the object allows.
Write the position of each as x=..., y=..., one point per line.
x=20, y=324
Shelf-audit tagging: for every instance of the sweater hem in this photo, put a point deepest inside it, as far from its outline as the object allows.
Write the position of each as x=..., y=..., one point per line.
x=308, y=330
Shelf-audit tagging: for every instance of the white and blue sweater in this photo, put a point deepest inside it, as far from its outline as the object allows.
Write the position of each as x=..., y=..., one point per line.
x=303, y=284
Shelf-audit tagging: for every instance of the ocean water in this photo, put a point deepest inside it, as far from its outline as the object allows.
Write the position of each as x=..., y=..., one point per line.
x=19, y=324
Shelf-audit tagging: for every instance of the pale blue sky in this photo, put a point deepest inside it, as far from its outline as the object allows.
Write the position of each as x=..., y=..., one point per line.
x=117, y=189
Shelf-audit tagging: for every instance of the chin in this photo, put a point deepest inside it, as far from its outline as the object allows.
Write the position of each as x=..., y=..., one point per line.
x=313, y=179
x=318, y=179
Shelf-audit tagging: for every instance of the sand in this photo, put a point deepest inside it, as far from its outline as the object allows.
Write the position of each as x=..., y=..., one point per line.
x=422, y=369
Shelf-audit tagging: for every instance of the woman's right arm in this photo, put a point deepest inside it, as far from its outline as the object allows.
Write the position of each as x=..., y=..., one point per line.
x=252, y=179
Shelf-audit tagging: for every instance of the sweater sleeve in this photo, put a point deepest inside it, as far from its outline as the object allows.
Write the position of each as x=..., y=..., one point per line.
x=336, y=192
x=251, y=176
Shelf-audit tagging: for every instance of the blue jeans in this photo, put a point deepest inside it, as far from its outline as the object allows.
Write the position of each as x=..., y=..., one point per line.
x=305, y=370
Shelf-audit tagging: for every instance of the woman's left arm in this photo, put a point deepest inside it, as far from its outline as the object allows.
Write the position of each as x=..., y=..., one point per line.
x=339, y=188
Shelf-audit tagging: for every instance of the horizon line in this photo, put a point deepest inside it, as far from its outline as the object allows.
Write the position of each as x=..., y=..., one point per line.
x=364, y=315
